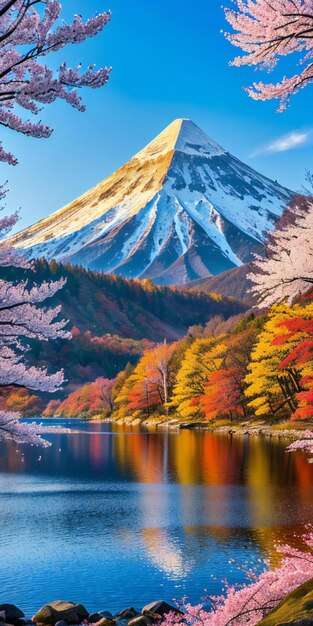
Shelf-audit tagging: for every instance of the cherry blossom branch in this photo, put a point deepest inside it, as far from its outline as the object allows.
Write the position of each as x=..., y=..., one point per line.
x=267, y=31
x=28, y=82
x=23, y=317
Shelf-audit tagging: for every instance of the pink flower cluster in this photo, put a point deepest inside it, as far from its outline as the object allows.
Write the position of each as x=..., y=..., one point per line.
x=29, y=32
x=267, y=31
x=22, y=317
x=286, y=271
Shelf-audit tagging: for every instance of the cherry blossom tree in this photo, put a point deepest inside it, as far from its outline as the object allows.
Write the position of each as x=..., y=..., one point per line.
x=249, y=603
x=22, y=318
x=287, y=270
x=30, y=30
x=267, y=31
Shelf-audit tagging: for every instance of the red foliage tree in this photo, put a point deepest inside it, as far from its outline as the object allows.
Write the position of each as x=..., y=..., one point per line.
x=89, y=400
x=223, y=393
x=299, y=363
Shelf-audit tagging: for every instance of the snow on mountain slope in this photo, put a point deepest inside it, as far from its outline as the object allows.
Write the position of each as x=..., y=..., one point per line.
x=180, y=209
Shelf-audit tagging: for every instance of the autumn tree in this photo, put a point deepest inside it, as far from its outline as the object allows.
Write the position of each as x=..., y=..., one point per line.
x=121, y=391
x=271, y=390
x=268, y=31
x=144, y=395
x=21, y=401
x=149, y=383
x=92, y=399
x=30, y=32
x=299, y=361
x=139, y=394
x=200, y=359
x=224, y=393
x=287, y=269
x=160, y=370
x=52, y=408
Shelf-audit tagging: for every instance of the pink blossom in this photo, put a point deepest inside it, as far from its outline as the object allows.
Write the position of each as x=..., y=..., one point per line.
x=22, y=317
x=267, y=31
x=20, y=432
x=29, y=32
x=286, y=271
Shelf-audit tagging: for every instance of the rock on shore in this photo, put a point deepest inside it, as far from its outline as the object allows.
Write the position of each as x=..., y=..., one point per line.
x=296, y=609
x=60, y=613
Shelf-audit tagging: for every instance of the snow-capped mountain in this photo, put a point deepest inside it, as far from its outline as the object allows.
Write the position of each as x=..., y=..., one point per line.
x=180, y=209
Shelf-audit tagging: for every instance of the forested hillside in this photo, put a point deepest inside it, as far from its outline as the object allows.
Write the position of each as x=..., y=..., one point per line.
x=260, y=367
x=113, y=320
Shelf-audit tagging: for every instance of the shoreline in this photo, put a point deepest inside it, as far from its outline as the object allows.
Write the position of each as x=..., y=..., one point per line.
x=283, y=430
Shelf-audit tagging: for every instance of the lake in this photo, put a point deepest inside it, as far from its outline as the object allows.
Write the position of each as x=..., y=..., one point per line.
x=114, y=517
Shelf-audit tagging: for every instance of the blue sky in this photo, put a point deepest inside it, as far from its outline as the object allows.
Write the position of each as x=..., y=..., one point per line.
x=169, y=60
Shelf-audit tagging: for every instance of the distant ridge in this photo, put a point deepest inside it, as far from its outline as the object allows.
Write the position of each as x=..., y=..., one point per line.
x=180, y=209
x=233, y=283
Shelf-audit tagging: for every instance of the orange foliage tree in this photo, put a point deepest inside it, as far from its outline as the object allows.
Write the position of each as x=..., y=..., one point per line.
x=148, y=386
x=22, y=401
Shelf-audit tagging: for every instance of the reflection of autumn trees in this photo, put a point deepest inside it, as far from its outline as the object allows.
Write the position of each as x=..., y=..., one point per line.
x=141, y=455
x=191, y=459
x=202, y=479
x=269, y=475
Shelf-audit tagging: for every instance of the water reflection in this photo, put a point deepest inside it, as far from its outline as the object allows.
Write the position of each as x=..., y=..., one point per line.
x=111, y=516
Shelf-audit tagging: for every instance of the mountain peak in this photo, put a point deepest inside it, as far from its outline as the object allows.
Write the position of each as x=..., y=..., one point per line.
x=180, y=209
x=182, y=135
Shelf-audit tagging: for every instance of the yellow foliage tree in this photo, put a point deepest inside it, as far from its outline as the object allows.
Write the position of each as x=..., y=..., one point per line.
x=202, y=357
x=268, y=389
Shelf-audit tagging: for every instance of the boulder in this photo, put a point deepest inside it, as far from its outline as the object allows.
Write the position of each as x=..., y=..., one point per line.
x=144, y=620
x=122, y=621
x=57, y=611
x=95, y=617
x=106, y=621
x=160, y=607
x=296, y=609
x=106, y=614
x=10, y=612
x=128, y=613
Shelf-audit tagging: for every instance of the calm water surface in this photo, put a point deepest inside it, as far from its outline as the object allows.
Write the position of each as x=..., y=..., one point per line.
x=113, y=518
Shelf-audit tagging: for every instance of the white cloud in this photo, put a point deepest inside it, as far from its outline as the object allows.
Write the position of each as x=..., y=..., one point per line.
x=294, y=139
